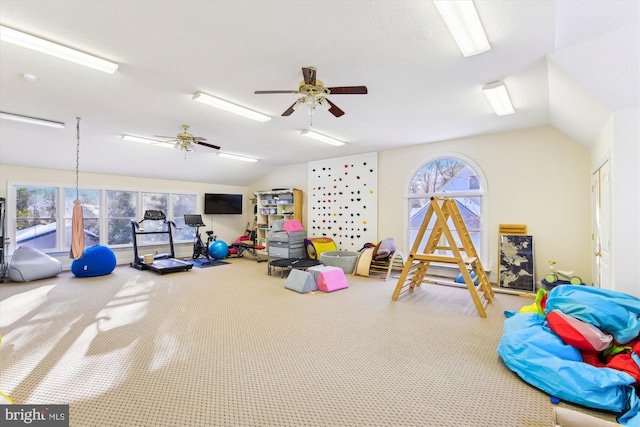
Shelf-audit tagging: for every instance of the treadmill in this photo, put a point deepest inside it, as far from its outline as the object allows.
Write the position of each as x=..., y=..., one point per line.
x=162, y=263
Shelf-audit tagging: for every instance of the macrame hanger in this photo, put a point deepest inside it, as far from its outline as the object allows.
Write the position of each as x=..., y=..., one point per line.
x=77, y=154
x=77, y=220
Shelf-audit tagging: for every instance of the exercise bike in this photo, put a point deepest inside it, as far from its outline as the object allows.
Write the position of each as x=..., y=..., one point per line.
x=199, y=248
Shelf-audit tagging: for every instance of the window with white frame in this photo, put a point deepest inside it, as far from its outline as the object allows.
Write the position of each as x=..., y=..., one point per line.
x=90, y=201
x=36, y=217
x=156, y=202
x=122, y=208
x=183, y=204
x=457, y=179
x=107, y=216
x=174, y=208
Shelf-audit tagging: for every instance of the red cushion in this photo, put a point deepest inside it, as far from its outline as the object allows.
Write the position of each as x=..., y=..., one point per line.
x=577, y=333
x=625, y=363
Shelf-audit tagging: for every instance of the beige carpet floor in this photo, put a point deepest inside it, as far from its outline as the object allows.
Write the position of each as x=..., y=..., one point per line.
x=230, y=346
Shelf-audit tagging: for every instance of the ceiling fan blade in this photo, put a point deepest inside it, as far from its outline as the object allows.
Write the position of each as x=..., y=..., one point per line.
x=334, y=109
x=348, y=90
x=261, y=92
x=199, y=138
x=309, y=74
x=162, y=136
x=290, y=110
x=215, y=147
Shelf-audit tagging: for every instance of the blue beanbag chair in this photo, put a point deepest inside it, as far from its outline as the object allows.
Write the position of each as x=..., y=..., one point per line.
x=96, y=261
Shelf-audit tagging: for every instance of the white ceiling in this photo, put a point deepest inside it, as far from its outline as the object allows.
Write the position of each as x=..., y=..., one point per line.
x=562, y=62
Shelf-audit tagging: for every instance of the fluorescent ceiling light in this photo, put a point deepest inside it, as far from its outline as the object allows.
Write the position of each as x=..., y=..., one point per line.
x=229, y=106
x=237, y=157
x=320, y=137
x=18, y=38
x=139, y=139
x=149, y=141
x=498, y=97
x=31, y=120
x=464, y=24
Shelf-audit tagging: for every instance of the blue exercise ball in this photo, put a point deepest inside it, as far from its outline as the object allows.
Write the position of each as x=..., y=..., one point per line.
x=460, y=279
x=218, y=249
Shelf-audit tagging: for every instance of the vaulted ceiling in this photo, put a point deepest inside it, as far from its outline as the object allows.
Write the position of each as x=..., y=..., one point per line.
x=565, y=63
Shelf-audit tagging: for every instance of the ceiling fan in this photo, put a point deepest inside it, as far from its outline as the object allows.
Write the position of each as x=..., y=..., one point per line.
x=187, y=142
x=314, y=93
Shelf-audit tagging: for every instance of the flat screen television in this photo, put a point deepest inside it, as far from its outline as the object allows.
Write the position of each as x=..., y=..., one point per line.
x=223, y=204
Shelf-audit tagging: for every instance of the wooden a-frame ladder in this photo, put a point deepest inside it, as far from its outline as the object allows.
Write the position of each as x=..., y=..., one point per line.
x=466, y=257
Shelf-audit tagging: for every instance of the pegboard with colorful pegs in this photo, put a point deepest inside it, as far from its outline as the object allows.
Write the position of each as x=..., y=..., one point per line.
x=343, y=200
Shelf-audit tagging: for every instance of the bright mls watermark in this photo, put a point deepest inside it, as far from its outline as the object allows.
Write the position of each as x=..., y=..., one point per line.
x=35, y=415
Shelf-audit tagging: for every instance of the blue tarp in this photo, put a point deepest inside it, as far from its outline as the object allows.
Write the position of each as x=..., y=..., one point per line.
x=533, y=351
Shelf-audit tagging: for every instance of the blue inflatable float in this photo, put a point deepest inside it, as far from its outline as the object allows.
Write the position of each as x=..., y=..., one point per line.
x=531, y=349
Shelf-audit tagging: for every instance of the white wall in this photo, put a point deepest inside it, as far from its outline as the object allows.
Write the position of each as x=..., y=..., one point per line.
x=626, y=202
x=601, y=150
x=619, y=142
x=538, y=177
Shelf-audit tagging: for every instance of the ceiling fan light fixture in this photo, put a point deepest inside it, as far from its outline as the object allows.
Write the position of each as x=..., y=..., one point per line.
x=299, y=103
x=31, y=120
x=229, y=106
x=184, y=145
x=319, y=137
x=237, y=157
x=324, y=103
x=464, y=24
x=498, y=97
x=37, y=44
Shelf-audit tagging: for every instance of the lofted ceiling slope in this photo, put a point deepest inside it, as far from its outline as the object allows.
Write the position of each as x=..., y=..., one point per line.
x=562, y=62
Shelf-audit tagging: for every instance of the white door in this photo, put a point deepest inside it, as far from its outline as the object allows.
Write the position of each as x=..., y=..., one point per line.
x=601, y=203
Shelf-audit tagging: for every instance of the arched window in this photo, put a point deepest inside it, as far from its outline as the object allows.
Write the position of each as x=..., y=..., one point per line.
x=455, y=177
